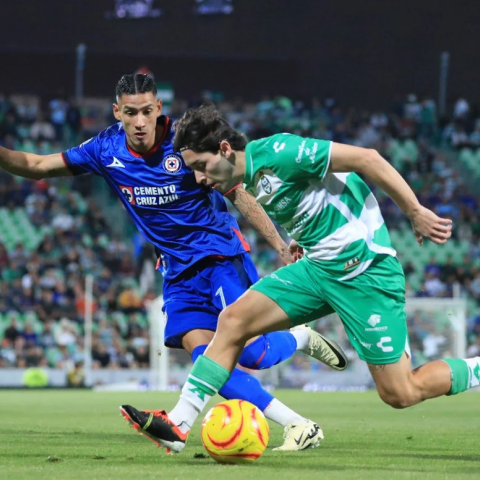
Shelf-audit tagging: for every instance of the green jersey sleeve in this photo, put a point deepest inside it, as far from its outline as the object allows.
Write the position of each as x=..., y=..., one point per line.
x=292, y=157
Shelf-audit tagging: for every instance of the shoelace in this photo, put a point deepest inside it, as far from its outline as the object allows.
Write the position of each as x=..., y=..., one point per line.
x=157, y=413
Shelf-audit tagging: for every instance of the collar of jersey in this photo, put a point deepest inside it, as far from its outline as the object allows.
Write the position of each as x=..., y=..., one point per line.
x=166, y=128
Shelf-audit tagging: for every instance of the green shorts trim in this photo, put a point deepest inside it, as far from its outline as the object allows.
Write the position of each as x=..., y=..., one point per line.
x=370, y=305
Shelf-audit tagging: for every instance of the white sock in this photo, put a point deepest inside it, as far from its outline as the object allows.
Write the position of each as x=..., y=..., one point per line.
x=183, y=415
x=281, y=414
x=189, y=406
x=302, y=337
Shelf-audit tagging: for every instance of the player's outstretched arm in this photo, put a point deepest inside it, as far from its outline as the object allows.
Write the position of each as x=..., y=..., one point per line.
x=256, y=216
x=30, y=165
x=345, y=158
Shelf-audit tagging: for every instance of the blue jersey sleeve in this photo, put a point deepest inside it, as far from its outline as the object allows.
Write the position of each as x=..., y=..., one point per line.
x=85, y=158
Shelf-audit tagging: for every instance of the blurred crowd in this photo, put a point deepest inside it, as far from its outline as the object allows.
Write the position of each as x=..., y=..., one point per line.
x=42, y=286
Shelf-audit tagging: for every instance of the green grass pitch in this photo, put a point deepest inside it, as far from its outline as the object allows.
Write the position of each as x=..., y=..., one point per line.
x=86, y=438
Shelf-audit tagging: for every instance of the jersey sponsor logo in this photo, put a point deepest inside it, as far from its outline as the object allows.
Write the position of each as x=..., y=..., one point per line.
x=116, y=163
x=366, y=345
x=149, y=196
x=287, y=283
x=350, y=264
x=282, y=203
x=291, y=229
x=385, y=348
x=128, y=194
x=301, y=148
x=278, y=147
x=373, y=321
x=172, y=164
x=308, y=152
x=266, y=185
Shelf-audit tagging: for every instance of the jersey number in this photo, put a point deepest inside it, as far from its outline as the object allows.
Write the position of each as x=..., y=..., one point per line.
x=222, y=297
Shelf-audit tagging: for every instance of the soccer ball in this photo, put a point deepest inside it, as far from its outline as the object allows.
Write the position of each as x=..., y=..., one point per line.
x=235, y=431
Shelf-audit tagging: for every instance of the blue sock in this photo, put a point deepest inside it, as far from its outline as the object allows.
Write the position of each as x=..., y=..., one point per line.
x=241, y=385
x=268, y=350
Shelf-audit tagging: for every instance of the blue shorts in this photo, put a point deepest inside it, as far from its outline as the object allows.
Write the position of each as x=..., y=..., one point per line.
x=195, y=298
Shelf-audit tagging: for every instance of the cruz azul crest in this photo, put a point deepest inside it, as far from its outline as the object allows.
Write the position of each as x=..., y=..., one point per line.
x=172, y=164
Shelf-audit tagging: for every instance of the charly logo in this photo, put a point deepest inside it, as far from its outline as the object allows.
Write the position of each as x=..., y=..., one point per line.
x=172, y=164
x=266, y=185
x=383, y=347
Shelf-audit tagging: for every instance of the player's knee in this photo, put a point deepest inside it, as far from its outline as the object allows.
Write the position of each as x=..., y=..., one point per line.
x=232, y=323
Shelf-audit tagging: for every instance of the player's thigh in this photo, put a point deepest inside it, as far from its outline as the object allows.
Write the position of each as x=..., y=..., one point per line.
x=371, y=307
x=188, y=305
x=183, y=317
x=196, y=338
x=294, y=289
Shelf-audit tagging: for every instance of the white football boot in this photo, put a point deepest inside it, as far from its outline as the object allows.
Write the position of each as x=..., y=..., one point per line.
x=300, y=436
x=325, y=350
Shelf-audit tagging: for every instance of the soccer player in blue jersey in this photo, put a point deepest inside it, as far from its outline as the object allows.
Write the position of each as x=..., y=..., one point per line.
x=202, y=254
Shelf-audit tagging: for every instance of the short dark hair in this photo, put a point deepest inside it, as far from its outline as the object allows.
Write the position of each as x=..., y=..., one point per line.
x=202, y=129
x=131, y=84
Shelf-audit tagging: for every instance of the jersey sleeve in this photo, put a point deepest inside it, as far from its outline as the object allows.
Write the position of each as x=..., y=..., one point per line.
x=293, y=157
x=84, y=158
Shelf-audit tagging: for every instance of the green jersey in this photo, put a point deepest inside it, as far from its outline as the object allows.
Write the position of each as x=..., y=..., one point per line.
x=333, y=216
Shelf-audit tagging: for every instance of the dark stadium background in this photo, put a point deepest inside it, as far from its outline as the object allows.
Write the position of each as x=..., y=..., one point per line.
x=363, y=51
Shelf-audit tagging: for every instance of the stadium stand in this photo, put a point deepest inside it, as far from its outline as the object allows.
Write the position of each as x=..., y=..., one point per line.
x=53, y=232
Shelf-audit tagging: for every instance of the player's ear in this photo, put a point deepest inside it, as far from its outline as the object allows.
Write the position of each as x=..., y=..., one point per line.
x=159, y=107
x=225, y=149
x=116, y=111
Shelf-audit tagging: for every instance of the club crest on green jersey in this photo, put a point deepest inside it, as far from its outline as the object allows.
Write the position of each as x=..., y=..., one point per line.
x=266, y=185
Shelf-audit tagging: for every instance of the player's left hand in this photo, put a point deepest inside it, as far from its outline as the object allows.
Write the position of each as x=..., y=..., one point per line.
x=295, y=250
x=286, y=256
x=427, y=224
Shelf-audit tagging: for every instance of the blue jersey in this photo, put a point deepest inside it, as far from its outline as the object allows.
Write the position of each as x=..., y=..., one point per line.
x=185, y=221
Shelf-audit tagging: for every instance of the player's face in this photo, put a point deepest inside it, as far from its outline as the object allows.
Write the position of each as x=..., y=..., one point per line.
x=138, y=114
x=212, y=169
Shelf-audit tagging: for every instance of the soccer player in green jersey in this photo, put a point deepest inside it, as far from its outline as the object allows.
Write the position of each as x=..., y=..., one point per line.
x=347, y=264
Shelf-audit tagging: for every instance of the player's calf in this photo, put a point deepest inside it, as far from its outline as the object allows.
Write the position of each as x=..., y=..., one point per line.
x=399, y=400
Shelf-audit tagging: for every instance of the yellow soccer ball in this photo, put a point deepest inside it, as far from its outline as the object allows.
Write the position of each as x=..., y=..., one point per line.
x=235, y=431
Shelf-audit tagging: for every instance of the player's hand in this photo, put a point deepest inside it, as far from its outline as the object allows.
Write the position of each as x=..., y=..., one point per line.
x=295, y=250
x=426, y=224
x=286, y=255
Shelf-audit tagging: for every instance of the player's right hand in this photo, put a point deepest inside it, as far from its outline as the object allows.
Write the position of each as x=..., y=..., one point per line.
x=295, y=250
x=427, y=224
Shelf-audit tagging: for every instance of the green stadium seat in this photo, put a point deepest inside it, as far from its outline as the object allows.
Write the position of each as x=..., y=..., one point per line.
x=465, y=155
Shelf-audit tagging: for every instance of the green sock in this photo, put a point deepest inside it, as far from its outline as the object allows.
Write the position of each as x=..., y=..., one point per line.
x=465, y=374
x=205, y=379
